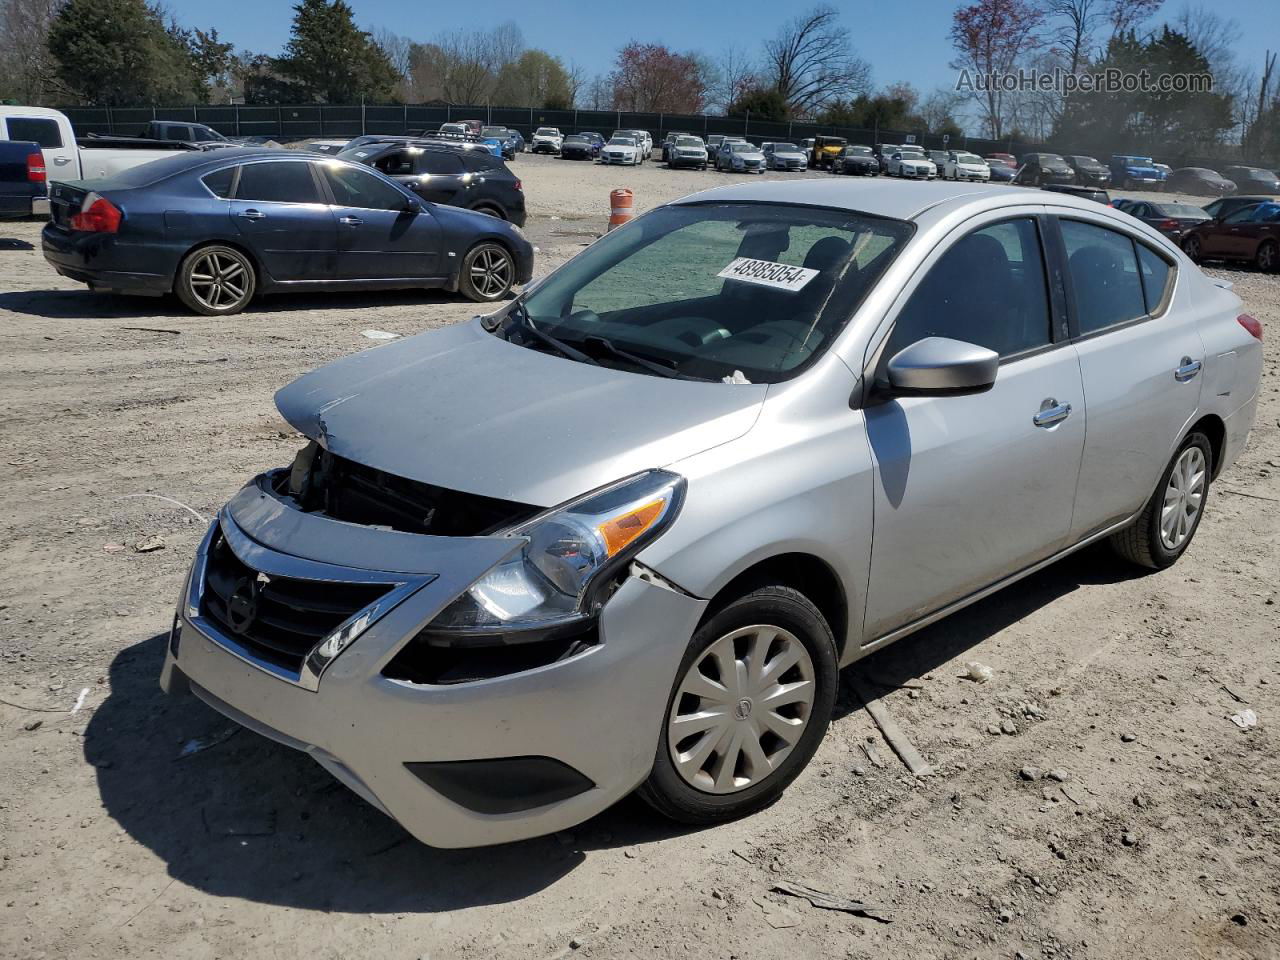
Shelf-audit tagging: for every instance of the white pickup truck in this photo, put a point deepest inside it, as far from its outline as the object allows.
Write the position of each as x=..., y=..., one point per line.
x=86, y=159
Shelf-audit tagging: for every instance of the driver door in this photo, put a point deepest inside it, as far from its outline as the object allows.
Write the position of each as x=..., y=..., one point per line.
x=971, y=489
x=381, y=235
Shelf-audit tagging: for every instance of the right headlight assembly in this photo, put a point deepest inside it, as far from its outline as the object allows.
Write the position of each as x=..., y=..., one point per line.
x=570, y=553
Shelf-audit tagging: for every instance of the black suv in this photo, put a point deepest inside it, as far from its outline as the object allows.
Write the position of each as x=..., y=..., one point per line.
x=1089, y=172
x=446, y=173
x=1041, y=168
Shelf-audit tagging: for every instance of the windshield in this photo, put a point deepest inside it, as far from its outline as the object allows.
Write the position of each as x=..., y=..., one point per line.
x=688, y=142
x=743, y=148
x=1180, y=210
x=453, y=128
x=575, y=138
x=498, y=132
x=968, y=158
x=712, y=289
x=911, y=155
x=547, y=132
x=785, y=148
x=857, y=151
x=622, y=142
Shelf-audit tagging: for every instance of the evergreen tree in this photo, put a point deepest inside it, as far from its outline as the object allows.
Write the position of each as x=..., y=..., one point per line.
x=331, y=60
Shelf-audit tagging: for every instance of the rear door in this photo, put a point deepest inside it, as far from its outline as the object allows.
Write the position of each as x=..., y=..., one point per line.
x=380, y=235
x=59, y=149
x=1140, y=363
x=438, y=177
x=279, y=212
x=1238, y=235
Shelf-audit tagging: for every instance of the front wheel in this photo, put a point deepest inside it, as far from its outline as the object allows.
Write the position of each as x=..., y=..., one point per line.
x=216, y=281
x=750, y=704
x=1164, y=529
x=488, y=272
x=1191, y=247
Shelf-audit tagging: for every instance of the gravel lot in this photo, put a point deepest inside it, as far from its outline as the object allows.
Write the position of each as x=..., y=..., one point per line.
x=1159, y=835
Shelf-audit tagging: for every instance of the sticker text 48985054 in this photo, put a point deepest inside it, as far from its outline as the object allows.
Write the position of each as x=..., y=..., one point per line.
x=768, y=273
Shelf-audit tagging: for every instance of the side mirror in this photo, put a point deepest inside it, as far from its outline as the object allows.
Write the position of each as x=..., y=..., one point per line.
x=942, y=367
x=411, y=205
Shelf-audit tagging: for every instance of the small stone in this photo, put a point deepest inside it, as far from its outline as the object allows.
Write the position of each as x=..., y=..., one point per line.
x=32, y=725
x=1129, y=839
x=1005, y=916
x=1008, y=727
x=1059, y=774
x=1050, y=793
x=575, y=943
x=113, y=547
x=1127, y=737
x=859, y=770
x=149, y=545
x=629, y=854
x=1140, y=800
x=993, y=729
x=1029, y=773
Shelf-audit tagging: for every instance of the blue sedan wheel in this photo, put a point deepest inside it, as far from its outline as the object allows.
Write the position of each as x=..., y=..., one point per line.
x=216, y=281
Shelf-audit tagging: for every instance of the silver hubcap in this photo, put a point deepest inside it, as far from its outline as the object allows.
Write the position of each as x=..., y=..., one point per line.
x=219, y=280
x=741, y=709
x=491, y=272
x=1267, y=257
x=1183, y=498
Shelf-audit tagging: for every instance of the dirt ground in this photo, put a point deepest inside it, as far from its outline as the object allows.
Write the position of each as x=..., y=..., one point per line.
x=1158, y=834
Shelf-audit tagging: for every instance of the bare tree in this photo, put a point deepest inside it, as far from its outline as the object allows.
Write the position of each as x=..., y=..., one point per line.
x=399, y=51
x=939, y=108
x=810, y=62
x=1217, y=38
x=992, y=37
x=27, y=71
x=1124, y=15
x=1075, y=24
x=576, y=75
x=729, y=76
x=465, y=64
x=598, y=93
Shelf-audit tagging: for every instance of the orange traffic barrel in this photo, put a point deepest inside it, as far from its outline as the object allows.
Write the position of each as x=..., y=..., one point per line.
x=620, y=203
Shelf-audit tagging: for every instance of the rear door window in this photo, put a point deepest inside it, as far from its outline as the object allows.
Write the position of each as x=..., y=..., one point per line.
x=278, y=181
x=439, y=162
x=1157, y=277
x=395, y=163
x=42, y=130
x=220, y=181
x=1103, y=266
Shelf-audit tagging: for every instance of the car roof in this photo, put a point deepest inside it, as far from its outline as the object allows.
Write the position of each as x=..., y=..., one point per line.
x=901, y=201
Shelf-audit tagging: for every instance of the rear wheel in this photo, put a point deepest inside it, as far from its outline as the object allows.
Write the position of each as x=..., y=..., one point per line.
x=1164, y=529
x=750, y=704
x=488, y=272
x=1191, y=247
x=216, y=281
x=1267, y=258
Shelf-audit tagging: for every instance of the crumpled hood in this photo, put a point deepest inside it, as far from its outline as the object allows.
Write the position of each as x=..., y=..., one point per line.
x=463, y=409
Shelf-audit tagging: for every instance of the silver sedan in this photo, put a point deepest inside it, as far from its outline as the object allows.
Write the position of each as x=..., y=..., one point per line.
x=623, y=533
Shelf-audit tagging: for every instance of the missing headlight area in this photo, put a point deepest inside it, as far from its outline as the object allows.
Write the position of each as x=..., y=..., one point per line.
x=322, y=482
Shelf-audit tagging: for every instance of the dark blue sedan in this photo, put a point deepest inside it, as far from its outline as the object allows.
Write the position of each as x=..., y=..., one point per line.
x=216, y=229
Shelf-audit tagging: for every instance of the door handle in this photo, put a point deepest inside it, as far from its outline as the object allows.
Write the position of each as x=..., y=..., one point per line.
x=253, y=215
x=351, y=221
x=61, y=161
x=1051, y=413
x=1187, y=370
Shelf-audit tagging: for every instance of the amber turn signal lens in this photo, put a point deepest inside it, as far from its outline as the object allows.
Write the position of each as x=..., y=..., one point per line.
x=621, y=530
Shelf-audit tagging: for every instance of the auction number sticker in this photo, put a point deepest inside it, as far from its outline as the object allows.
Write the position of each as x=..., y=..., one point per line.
x=767, y=273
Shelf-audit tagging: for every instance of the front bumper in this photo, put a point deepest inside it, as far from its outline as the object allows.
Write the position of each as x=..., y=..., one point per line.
x=544, y=146
x=677, y=160
x=598, y=712
x=619, y=158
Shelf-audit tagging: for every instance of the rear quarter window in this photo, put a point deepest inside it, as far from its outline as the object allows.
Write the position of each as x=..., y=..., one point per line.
x=220, y=182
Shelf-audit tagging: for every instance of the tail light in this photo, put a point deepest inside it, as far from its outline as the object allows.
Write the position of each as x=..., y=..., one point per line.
x=35, y=167
x=1252, y=324
x=97, y=215
x=1167, y=225
x=519, y=185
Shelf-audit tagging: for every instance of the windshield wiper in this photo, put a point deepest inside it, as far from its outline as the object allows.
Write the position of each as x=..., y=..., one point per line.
x=524, y=323
x=617, y=353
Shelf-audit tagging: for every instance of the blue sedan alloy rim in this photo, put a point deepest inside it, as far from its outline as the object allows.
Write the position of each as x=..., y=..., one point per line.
x=491, y=272
x=741, y=708
x=218, y=280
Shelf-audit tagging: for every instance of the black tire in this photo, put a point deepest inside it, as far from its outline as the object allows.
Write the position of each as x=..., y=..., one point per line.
x=1192, y=248
x=478, y=277
x=1140, y=542
x=771, y=605
x=1267, y=259
x=217, y=297
x=489, y=211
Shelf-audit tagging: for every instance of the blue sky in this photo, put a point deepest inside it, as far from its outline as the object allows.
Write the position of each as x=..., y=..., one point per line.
x=901, y=39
